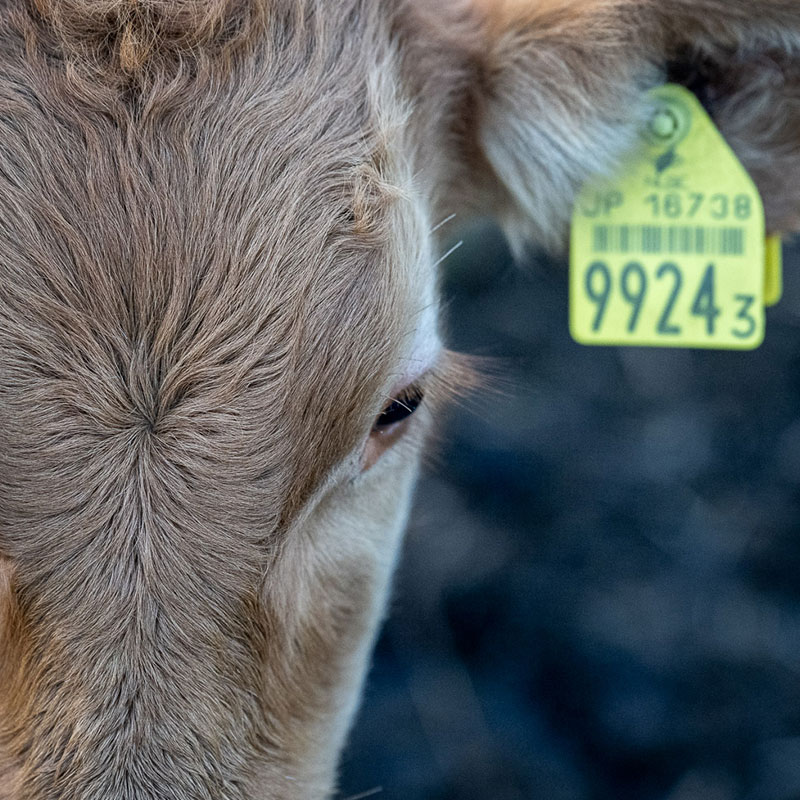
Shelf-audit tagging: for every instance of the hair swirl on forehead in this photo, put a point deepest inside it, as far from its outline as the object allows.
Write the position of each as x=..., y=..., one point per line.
x=132, y=33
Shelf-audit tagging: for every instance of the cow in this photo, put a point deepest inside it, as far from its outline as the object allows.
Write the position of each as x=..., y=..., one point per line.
x=220, y=356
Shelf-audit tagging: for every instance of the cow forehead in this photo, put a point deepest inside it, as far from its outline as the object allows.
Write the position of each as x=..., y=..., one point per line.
x=199, y=287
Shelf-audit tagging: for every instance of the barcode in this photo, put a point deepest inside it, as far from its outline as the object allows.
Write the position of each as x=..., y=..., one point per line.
x=670, y=240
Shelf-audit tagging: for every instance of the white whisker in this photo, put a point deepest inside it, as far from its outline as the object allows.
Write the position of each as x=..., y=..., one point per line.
x=444, y=222
x=365, y=795
x=449, y=253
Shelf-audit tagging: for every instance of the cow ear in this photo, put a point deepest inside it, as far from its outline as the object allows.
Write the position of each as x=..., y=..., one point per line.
x=536, y=96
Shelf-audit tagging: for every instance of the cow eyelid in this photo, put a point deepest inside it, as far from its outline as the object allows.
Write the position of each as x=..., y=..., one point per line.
x=399, y=408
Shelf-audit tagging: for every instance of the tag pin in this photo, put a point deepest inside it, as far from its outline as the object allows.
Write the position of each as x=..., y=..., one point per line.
x=670, y=123
x=664, y=124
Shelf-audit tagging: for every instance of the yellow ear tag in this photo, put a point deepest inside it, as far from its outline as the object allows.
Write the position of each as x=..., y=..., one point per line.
x=671, y=252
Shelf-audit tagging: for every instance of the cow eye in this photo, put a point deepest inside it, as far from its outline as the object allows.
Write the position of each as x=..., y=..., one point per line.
x=399, y=408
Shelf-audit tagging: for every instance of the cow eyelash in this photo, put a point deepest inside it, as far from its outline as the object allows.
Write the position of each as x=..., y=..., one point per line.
x=400, y=408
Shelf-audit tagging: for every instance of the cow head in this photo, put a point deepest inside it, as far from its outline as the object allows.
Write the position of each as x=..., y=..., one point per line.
x=219, y=349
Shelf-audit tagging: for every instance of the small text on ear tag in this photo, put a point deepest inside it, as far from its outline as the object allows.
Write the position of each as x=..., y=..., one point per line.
x=671, y=251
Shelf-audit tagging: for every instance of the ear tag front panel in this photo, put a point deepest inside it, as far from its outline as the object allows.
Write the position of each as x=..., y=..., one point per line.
x=671, y=252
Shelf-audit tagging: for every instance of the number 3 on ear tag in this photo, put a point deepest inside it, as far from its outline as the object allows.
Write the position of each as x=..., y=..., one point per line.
x=671, y=251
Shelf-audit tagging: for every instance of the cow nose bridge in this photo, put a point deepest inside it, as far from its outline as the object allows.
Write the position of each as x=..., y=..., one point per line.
x=145, y=690
x=133, y=727
x=139, y=642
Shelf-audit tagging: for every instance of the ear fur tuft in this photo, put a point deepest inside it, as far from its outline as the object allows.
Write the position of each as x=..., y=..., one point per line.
x=566, y=96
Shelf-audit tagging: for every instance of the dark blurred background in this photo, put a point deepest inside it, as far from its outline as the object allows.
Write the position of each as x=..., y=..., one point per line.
x=600, y=592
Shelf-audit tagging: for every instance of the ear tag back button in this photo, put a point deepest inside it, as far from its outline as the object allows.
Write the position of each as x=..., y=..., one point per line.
x=671, y=251
x=773, y=282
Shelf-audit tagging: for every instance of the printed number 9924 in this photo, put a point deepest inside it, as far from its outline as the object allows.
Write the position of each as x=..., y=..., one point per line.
x=635, y=284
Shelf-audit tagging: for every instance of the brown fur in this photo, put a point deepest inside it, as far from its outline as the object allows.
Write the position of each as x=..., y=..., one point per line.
x=216, y=232
x=133, y=34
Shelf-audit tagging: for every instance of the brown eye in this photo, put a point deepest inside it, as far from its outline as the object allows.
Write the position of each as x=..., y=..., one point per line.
x=399, y=409
x=391, y=425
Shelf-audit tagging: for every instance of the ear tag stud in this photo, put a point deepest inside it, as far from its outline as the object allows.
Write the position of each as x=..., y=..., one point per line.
x=671, y=251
